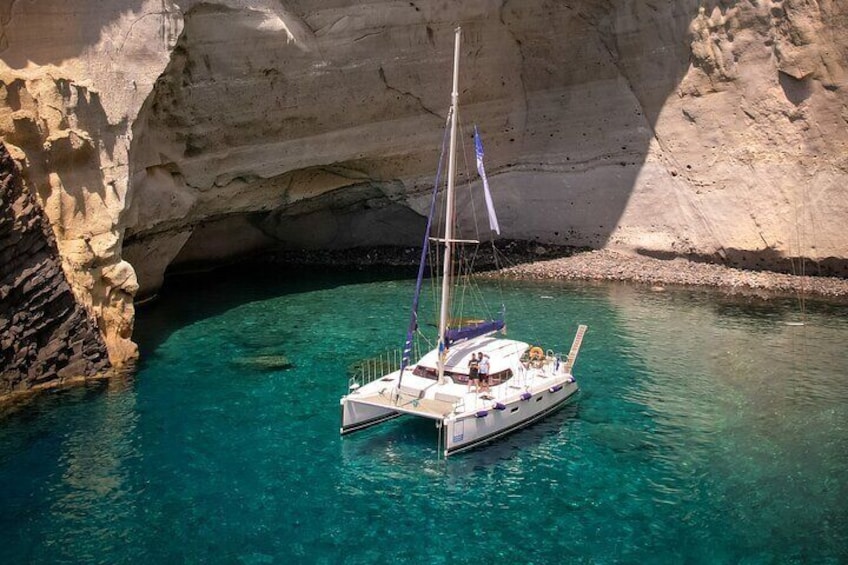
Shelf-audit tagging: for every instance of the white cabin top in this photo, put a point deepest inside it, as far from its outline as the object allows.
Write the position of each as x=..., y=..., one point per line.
x=503, y=354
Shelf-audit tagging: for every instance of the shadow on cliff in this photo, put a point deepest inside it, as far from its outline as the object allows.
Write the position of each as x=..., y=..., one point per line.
x=63, y=30
x=45, y=334
x=592, y=78
x=568, y=133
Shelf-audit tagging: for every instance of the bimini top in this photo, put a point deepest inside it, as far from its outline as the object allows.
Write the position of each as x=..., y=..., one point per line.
x=503, y=354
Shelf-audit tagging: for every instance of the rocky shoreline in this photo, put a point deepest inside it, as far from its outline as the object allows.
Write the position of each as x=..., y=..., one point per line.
x=525, y=260
x=610, y=265
x=506, y=253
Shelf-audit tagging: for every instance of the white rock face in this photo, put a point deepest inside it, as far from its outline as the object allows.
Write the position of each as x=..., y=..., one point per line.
x=73, y=77
x=161, y=133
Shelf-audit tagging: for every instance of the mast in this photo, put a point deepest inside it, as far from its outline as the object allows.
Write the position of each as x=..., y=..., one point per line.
x=449, y=211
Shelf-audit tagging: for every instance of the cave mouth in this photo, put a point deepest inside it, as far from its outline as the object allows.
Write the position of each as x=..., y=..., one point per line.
x=390, y=260
x=556, y=93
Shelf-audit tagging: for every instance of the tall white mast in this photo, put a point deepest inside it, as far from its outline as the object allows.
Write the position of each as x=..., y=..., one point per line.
x=449, y=211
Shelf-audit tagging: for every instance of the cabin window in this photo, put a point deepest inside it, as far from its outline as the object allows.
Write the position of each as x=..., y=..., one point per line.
x=500, y=376
x=429, y=373
x=425, y=372
x=538, y=398
x=514, y=410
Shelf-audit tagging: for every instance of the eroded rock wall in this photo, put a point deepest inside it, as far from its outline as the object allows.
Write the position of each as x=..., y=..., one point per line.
x=163, y=133
x=46, y=336
x=756, y=135
x=72, y=78
x=669, y=128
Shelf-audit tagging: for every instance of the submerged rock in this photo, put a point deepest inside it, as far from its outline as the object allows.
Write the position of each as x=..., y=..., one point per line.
x=264, y=362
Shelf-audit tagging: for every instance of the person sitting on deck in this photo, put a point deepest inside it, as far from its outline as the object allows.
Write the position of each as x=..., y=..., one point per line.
x=473, y=368
x=484, y=372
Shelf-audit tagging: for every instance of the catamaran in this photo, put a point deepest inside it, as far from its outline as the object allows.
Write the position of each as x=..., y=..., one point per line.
x=525, y=383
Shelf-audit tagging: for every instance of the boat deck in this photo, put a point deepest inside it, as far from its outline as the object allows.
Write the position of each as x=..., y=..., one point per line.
x=420, y=394
x=426, y=398
x=426, y=407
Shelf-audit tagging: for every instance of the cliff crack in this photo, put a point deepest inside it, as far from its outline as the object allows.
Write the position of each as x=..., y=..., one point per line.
x=382, y=74
x=167, y=38
x=367, y=35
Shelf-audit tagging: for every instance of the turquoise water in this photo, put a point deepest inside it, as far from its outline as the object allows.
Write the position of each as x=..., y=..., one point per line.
x=708, y=430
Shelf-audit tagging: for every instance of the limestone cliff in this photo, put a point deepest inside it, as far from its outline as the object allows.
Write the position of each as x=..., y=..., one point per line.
x=46, y=337
x=161, y=133
x=72, y=77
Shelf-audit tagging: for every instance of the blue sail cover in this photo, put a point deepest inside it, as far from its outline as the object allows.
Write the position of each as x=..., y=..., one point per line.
x=467, y=332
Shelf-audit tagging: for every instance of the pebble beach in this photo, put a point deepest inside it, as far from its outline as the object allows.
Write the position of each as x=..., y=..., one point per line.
x=608, y=265
x=525, y=260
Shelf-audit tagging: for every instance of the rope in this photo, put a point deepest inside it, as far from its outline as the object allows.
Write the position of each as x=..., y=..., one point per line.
x=469, y=294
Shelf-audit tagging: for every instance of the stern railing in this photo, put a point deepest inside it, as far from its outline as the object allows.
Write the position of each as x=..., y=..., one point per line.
x=378, y=366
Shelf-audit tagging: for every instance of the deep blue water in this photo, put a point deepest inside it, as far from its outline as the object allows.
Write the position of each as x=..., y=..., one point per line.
x=708, y=430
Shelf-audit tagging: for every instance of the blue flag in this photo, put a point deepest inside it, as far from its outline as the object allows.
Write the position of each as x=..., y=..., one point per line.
x=493, y=219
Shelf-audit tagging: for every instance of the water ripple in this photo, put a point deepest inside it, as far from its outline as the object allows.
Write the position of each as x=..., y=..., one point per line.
x=707, y=430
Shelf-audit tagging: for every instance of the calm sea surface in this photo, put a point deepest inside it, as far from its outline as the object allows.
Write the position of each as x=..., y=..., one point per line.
x=708, y=430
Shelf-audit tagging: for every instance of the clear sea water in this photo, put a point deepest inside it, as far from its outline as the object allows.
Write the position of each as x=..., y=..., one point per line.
x=709, y=430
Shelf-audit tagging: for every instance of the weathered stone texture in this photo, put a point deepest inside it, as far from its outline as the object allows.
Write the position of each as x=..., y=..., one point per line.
x=45, y=335
x=72, y=78
x=158, y=133
x=708, y=129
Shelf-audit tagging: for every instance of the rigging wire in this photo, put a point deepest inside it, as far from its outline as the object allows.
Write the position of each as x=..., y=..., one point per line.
x=494, y=250
x=468, y=183
x=468, y=256
x=469, y=297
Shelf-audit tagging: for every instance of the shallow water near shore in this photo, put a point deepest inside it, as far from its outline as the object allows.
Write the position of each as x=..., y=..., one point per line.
x=708, y=429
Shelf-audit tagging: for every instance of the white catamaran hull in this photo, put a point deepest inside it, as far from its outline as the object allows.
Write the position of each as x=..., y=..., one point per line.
x=487, y=425
x=475, y=386
x=358, y=416
x=466, y=423
x=465, y=416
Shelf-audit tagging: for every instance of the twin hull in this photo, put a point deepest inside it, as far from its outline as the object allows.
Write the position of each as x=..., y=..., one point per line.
x=469, y=430
x=466, y=430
